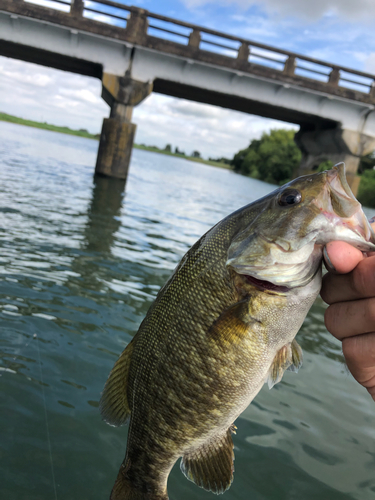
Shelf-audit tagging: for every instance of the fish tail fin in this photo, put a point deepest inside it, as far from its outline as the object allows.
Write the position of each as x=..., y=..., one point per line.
x=124, y=489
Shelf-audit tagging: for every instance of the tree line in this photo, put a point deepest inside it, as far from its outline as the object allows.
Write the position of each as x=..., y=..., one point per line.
x=275, y=156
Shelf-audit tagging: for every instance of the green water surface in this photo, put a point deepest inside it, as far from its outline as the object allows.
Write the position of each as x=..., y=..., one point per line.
x=80, y=264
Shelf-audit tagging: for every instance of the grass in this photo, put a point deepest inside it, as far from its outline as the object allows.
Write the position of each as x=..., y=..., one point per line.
x=46, y=126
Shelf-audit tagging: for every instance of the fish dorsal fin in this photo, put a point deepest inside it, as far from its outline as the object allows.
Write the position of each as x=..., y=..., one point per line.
x=211, y=465
x=289, y=357
x=114, y=406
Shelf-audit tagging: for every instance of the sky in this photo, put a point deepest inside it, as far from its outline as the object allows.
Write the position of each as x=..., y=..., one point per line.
x=337, y=31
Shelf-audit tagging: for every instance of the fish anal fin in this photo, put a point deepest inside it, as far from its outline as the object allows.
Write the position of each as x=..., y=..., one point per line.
x=211, y=465
x=114, y=406
x=289, y=357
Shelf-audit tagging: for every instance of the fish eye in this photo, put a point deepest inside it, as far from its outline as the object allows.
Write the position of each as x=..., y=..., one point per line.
x=290, y=197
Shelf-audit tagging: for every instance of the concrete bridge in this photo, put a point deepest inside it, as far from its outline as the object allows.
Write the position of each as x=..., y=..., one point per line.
x=135, y=52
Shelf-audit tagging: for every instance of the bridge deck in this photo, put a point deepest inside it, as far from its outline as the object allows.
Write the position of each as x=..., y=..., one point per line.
x=141, y=28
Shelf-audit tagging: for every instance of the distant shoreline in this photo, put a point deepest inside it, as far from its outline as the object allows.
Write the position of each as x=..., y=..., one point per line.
x=84, y=133
x=46, y=126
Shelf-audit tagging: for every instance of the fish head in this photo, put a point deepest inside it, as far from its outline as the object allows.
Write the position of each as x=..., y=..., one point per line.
x=283, y=244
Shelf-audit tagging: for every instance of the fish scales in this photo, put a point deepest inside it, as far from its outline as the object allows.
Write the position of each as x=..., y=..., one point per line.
x=222, y=325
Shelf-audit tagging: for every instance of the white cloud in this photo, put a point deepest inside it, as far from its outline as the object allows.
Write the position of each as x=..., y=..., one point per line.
x=50, y=3
x=213, y=131
x=45, y=94
x=61, y=98
x=370, y=63
x=81, y=95
x=359, y=9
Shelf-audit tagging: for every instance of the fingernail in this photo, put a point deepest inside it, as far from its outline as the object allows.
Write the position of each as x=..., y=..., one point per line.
x=330, y=267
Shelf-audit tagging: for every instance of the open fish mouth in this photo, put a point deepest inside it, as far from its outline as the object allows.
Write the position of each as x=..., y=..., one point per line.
x=344, y=213
x=265, y=286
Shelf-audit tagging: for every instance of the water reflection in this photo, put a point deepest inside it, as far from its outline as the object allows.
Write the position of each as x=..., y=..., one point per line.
x=80, y=265
x=103, y=215
x=92, y=263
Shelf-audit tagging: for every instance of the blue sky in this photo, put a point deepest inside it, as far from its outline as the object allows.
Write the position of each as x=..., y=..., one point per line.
x=337, y=31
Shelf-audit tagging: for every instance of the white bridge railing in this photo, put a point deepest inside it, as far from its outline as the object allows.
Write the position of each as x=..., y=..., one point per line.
x=158, y=32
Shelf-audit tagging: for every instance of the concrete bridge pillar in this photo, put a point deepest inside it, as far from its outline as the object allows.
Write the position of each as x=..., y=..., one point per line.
x=337, y=145
x=117, y=136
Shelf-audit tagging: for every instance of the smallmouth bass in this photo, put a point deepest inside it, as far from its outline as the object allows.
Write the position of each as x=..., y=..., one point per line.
x=223, y=325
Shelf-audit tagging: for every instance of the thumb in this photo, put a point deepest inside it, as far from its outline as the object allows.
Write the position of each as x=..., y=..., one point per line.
x=341, y=257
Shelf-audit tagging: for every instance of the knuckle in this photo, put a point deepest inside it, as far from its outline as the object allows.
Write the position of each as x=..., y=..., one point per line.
x=370, y=314
x=327, y=290
x=359, y=353
x=359, y=280
x=331, y=319
x=351, y=350
x=362, y=278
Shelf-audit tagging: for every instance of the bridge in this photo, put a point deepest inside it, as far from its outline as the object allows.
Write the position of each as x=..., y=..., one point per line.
x=135, y=52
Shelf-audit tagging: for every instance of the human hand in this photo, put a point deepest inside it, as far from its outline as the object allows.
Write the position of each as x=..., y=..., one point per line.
x=349, y=289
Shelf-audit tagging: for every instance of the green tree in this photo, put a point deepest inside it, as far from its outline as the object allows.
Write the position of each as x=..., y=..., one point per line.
x=366, y=189
x=273, y=158
x=325, y=165
x=168, y=148
x=367, y=163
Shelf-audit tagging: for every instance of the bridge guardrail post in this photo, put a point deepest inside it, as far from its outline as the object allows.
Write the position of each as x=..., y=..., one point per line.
x=334, y=77
x=243, y=52
x=76, y=8
x=194, y=39
x=372, y=90
x=290, y=66
x=136, y=25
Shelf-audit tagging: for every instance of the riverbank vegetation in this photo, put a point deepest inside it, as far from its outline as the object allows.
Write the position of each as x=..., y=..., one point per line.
x=275, y=156
x=195, y=155
x=46, y=126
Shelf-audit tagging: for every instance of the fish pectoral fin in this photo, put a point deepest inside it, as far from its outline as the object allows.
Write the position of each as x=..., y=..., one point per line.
x=232, y=324
x=289, y=357
x=297, y=357
x=211, y=465
x=114, y=406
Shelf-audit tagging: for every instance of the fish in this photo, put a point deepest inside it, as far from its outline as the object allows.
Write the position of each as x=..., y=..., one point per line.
x=222, y=326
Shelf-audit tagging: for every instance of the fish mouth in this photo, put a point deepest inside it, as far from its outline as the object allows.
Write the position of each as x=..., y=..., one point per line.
x=263, y=285
x=344, y=212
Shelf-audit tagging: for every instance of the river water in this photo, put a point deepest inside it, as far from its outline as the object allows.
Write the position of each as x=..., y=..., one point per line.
x=81, y=262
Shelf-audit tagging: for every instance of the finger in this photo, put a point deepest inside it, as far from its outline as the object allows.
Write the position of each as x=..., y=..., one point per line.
x=359, y=354
x=341, y=257
x=346, y=319
x=360, y=283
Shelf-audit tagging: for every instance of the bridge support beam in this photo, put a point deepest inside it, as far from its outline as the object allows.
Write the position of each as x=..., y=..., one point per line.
x=336, y=145
x=117, y=136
